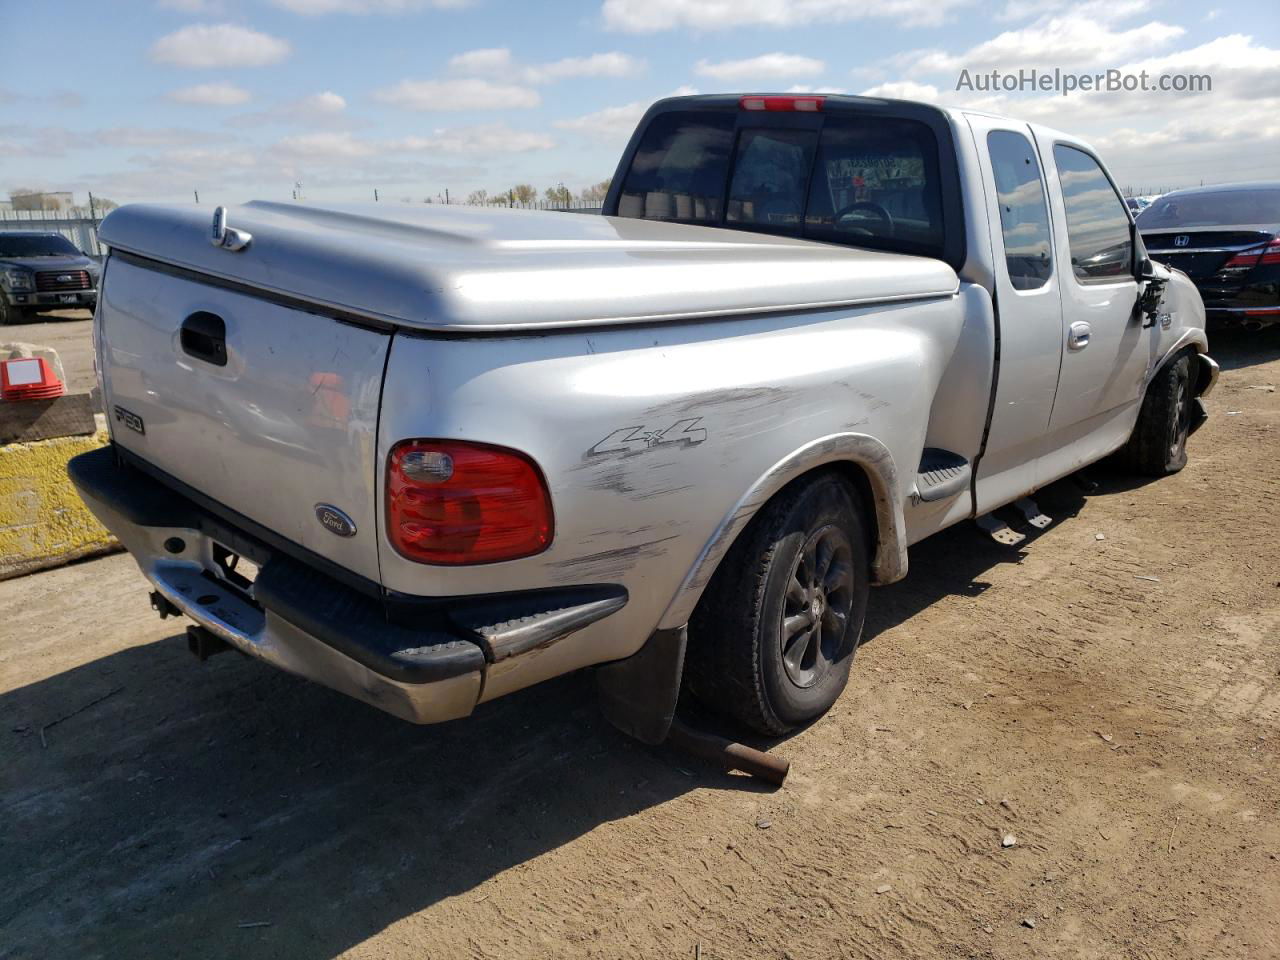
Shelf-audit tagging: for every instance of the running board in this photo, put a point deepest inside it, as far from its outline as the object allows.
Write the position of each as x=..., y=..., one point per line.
x=942, y=474
x=1000, y=531
x=1032, y=512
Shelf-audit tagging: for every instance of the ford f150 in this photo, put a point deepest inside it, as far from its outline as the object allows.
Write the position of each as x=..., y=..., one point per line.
x=430, y=455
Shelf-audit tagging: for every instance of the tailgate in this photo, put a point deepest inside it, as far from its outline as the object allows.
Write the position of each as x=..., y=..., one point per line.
x=269, y=410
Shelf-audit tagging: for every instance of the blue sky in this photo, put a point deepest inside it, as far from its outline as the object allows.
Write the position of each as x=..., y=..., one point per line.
x=240, y=99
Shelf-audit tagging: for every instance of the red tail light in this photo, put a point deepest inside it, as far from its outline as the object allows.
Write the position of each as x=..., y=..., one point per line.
x=1256, y=256
x=782, y=104
x=454, y=503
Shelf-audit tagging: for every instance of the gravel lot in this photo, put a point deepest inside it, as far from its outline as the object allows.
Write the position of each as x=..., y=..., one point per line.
x=1112, y=702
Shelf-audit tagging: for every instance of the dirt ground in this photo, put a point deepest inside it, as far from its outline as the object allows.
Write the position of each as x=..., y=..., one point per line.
x=1109, y=694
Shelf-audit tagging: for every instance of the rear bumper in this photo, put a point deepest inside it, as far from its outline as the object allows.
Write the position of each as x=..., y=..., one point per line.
x=423, y=659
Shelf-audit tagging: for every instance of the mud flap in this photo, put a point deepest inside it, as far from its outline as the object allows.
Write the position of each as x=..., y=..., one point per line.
x=638, y=695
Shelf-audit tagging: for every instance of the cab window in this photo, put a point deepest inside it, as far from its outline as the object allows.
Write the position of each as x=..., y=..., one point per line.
x=1024, y=216
x=1097, y=220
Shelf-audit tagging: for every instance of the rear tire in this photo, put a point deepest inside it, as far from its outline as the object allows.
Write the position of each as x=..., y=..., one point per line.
x=1158, y=445
x=773, y=637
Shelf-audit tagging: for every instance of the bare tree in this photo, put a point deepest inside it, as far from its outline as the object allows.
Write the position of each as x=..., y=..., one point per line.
x=478, y=198
x=596, y=192
x=524, y=193
x=559, y=196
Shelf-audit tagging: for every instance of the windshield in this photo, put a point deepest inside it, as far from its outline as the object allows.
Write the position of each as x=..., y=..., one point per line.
x=868, y=181
x=1223, y=208
x=50, y=246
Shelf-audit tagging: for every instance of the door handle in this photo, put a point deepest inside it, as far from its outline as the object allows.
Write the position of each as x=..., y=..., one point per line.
x=204, y=336
x=1078, y=335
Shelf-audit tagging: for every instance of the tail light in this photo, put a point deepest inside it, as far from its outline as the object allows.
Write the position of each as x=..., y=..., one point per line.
x=783, y=104
x=1255, y=256
x=454, y=503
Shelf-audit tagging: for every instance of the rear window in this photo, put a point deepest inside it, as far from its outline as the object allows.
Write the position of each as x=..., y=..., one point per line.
x=51, y=246
x=865, y=181
x=1224, y=208
x=680, y=169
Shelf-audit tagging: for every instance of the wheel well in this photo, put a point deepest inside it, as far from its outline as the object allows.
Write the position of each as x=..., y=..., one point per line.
x=863, y=463
x=854, y=475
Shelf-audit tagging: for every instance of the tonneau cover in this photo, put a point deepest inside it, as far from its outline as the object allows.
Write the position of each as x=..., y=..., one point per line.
x=475, y=269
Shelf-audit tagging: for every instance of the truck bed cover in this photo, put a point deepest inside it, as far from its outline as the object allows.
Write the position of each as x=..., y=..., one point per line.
x=483, y=270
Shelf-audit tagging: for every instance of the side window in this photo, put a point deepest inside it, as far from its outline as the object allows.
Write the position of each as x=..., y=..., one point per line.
x=679, y=169
x=1024, y=217
x=1097, y=221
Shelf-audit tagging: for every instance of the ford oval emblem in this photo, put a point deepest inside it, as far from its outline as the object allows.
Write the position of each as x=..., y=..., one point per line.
x=334, y=520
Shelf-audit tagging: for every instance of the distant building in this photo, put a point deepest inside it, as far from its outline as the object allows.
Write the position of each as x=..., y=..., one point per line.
x=51, y=200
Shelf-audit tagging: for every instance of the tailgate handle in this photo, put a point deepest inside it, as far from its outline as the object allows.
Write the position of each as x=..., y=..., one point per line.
x=204, y=336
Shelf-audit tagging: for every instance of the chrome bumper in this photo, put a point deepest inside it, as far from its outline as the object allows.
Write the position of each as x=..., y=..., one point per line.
x=422, y=659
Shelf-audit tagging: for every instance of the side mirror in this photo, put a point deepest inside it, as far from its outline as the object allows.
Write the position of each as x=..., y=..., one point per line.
x=1152, y=293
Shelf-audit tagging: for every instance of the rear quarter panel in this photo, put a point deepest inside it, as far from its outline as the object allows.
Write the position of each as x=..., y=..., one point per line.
x=649, y=437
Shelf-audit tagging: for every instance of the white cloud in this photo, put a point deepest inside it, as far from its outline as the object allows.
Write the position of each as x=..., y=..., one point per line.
x=61, y=98
x=327, y=146
x=498, y=63
x=1074, y=40
x=615, y=123
x=651, y=16
x=481, y=140
x=313, y=8
x=768, y=66
x=904, y=90
x=467, y=93
x=326, y=109
x=327, y=102
x=211, y=95
x=1158, y=140
x=805, y=88
x=191, y=6
x=218, y=45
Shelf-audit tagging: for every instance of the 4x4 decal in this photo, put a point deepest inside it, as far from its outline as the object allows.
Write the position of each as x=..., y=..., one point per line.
x=637, y=439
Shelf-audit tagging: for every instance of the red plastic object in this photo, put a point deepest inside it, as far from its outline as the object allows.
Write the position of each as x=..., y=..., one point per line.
x=28, y=378
x=452, y=503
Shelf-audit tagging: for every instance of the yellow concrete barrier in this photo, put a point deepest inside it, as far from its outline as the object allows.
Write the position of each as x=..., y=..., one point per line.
x=43, y=522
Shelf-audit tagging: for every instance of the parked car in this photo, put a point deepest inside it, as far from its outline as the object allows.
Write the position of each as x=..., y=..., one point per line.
x=1227, y=240
x=1136, y=204
x=42, y=271
x=464, y=450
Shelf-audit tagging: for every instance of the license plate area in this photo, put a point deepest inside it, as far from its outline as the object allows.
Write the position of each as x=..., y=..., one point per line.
x=67, y=298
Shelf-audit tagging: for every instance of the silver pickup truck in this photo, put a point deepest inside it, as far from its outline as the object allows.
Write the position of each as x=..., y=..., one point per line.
x=430, y=455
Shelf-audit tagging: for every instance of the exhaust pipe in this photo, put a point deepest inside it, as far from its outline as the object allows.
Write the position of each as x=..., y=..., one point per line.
x=729, y=755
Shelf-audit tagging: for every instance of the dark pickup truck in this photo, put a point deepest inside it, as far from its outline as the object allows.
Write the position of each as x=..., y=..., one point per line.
x=40, y=271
